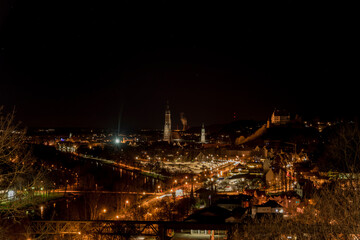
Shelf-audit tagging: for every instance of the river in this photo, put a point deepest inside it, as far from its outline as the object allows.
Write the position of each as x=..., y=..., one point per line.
x=102, y=191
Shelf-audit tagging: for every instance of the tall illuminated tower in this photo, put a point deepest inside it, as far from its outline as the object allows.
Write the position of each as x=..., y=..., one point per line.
x=167, y=126
x=202, y=136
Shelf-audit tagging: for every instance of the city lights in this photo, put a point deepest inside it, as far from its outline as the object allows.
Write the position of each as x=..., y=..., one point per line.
x=233, y=120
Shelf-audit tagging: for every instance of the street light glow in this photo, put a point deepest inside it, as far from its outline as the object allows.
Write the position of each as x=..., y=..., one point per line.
x=11, y=194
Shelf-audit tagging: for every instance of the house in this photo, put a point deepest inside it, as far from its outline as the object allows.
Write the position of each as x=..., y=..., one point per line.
x=266, y=165
x=304, y=188
x=315, y=178
x=270, y=207
x=232, y=202
x=201, y=157
x=290, y=201
x=270, y=177
x=259, y=197
x=274, y=176
x=238, y=215
x=212, y=214
x=277, y=179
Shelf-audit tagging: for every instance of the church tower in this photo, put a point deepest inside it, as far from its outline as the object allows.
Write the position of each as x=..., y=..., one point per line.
x=202, y=137
x=167, y=126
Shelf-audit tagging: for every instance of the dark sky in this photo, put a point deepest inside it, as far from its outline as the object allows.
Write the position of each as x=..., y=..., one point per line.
x=77, y=63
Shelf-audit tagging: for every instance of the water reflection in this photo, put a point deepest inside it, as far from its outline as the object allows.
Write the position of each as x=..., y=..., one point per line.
x=89, y=206
x=101, y=187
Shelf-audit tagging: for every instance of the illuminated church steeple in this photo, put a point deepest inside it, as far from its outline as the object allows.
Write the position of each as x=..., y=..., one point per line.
x=167, y=126
x=202, y=136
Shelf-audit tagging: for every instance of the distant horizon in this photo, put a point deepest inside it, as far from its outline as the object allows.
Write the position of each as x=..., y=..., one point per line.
x=114, y=129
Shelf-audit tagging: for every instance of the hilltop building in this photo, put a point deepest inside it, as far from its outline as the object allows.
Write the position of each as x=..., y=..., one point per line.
x=279, y=118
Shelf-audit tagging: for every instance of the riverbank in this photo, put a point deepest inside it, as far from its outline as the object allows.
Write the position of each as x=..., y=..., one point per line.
x=128, y=167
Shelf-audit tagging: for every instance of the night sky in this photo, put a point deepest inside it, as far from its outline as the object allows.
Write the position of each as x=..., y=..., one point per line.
x=79, y=63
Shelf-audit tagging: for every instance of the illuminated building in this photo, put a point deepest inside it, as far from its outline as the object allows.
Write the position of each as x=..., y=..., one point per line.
x=167, y=126
x=202, y=137
x=280, y=117
x=270, y=207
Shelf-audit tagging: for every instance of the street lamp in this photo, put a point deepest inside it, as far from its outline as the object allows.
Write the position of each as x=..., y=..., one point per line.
x=11, y=194
x=212, y=184
x=42, y=211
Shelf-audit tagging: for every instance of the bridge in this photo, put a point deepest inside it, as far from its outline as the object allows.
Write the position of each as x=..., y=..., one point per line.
x=110, y=229
x=106, y=192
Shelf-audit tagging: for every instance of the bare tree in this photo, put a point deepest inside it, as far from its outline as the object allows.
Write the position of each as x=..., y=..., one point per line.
x=344, y=148
x=18, y=178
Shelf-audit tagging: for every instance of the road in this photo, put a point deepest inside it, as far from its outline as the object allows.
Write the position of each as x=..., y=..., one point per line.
x=104, y=192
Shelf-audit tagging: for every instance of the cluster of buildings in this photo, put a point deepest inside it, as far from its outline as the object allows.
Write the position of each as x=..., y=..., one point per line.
x=268, y=172
x=69, y=140
x=276, y=185
x=223, y=142
x=275, y=174
x=267, y=158
x=174, y=136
